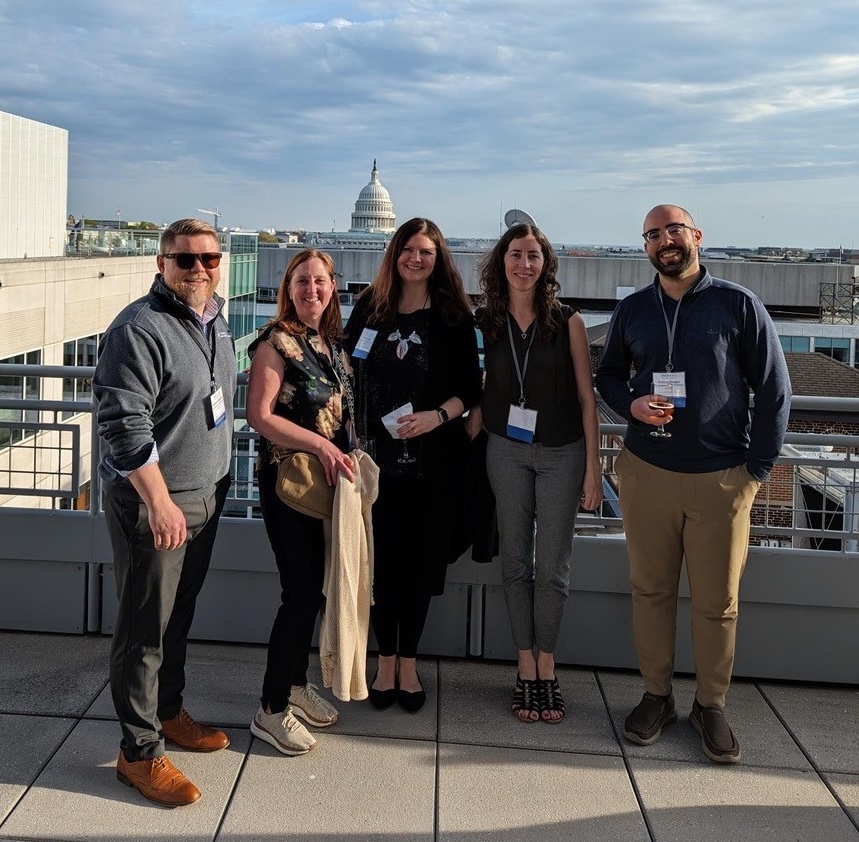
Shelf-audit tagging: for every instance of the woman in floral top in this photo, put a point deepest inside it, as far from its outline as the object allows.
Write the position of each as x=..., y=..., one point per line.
x=299, y=380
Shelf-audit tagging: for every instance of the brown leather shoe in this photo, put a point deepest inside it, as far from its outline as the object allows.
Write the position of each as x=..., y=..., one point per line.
x=184, y=732
x=158, y=780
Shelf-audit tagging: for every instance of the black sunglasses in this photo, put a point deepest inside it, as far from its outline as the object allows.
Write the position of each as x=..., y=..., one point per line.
x=187, y=259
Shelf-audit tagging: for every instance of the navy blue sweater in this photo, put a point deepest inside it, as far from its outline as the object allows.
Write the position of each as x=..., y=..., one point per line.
x=727, y=345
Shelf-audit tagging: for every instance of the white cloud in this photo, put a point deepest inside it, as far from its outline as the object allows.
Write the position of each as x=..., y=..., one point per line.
x=275, y=111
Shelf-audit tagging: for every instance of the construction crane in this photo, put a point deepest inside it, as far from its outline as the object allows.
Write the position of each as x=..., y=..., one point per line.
x=215, y=213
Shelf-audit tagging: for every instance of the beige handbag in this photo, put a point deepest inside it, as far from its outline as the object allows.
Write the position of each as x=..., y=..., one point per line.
x=302, y=486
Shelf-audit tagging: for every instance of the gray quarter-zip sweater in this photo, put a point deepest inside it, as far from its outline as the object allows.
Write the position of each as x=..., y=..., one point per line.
x=152, y=384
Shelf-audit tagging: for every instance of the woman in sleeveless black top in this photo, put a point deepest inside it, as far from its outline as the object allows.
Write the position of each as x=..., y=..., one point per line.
x=542, y=457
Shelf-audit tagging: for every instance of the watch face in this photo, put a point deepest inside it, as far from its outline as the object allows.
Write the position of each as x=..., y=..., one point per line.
x=442, y=414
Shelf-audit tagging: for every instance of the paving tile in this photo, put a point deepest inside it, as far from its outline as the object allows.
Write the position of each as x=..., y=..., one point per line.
x=223, y=683
x=847, y=789
x=762, y=738
x=54, y=674
x=475, y=709
x=738, y=803
x=26, y=744
x=362, y=719
x=520, y=794
x=78, y=797
x=824, y=719
x=347, y=787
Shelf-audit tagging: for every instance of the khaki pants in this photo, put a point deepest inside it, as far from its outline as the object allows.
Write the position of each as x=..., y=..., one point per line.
x=666, y=515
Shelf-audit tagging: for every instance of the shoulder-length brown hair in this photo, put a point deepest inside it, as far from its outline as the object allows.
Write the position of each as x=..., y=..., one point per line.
x=331, y=324
x=492, y=312
x=447, y=295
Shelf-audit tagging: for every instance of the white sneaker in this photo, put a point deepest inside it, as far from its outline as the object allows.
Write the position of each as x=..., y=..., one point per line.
x=283, y=731
x=311, y=707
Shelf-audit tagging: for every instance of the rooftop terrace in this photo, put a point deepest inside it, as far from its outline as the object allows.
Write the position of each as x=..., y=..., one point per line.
x=461, y=769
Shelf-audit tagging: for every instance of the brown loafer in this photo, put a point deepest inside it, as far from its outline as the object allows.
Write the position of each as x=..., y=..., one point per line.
x=184, y=732
x=158, y=780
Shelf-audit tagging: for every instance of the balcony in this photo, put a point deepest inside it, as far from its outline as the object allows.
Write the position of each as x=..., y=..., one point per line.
x=800, y=594
x=462, y=768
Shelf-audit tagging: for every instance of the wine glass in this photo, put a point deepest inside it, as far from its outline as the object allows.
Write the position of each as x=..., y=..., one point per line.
x=662, y=397
x=406, y=458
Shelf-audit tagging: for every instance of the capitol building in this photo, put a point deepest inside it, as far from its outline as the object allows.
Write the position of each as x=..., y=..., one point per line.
x=373, y=220
x=374, y=210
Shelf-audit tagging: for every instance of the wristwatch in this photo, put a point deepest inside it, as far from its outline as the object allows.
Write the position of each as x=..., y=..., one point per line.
x=442, y=414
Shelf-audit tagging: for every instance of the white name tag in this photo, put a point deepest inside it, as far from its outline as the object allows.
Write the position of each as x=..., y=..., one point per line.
x=217, y=408
x=677, y=381
x=362, y=349
x=521, y=423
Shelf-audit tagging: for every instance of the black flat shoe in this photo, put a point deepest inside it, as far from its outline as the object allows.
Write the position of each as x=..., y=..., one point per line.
x=381, y=699
x=412, y=702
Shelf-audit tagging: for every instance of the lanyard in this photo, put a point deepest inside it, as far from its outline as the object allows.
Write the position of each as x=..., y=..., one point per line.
x=670, y=329
x=197, y=334
x=520, y=373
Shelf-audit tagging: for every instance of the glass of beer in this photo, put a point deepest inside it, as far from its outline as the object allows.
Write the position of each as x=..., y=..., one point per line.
x=662, y=398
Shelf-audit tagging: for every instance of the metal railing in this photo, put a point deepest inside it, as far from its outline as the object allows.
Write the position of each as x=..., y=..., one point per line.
x=810, y=501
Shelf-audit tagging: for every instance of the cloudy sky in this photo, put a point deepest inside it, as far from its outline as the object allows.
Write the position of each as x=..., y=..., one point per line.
x=584, y=113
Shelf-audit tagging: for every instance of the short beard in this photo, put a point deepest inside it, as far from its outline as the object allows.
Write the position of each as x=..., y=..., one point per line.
x=674, y=270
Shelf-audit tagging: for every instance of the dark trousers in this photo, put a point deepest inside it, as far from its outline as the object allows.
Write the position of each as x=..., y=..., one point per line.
x=298, y=544
x=157, y=593
x=401, y=589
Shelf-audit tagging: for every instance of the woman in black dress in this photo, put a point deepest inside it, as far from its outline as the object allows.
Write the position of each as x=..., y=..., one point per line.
x=412, y=338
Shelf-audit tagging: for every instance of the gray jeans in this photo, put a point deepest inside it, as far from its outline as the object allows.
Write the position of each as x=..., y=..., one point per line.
x=537, y=491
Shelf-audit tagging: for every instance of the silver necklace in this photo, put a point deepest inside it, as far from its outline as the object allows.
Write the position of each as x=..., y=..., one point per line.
x=403, y=344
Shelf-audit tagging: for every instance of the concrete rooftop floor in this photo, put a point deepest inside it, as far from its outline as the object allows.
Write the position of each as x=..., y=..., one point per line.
x=462, y=769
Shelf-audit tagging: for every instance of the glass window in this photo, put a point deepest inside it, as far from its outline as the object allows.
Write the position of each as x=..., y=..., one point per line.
x=79, y=352
x=16, y=387
x=838, y=349
x=800, y=344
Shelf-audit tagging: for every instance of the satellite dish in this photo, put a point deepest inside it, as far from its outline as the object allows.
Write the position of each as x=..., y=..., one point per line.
x=518, y=217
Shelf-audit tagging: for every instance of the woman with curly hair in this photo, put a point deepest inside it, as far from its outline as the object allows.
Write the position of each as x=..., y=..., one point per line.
x=542, y=456
x=413, y=342
x=298, y=379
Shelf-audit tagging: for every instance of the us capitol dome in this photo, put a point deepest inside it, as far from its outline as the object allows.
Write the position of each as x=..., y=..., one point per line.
x=374, y=210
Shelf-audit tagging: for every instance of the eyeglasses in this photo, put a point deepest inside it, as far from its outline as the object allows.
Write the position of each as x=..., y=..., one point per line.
x=187, y=259
x=674, y=230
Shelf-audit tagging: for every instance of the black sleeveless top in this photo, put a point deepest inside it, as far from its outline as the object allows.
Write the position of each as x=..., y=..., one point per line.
x=550, y=384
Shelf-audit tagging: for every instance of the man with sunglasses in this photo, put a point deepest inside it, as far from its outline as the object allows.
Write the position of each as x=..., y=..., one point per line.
x=164, y=383
x=688, y=491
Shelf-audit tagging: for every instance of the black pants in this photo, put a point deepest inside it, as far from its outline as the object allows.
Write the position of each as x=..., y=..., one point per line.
x=298, y=545
x=401, y=591
x=157, y=592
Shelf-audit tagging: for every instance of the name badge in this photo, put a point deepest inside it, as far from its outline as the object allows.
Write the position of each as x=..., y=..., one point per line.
x=365, y=342
x=216, y=408
x=677, y=381
x=521, y=423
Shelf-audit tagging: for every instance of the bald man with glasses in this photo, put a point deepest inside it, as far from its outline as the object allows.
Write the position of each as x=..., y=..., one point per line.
x=702, y=344
x=164, y=383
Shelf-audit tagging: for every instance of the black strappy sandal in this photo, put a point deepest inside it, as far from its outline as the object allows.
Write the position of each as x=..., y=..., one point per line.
x=550, y=699
x=525, y=698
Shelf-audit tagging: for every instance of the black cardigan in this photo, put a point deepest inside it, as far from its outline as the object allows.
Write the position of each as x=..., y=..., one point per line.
x=454, y=371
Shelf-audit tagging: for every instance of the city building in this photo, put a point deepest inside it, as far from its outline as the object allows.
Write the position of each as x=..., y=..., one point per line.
x=374, y=210
x=33, y=185
x=59, y=290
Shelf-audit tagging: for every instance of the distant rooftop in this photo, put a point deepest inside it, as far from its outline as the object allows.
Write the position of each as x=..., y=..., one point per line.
x=820, y=375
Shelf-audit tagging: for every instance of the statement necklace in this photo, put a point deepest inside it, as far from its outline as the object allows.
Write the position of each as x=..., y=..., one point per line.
x=403, y=344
